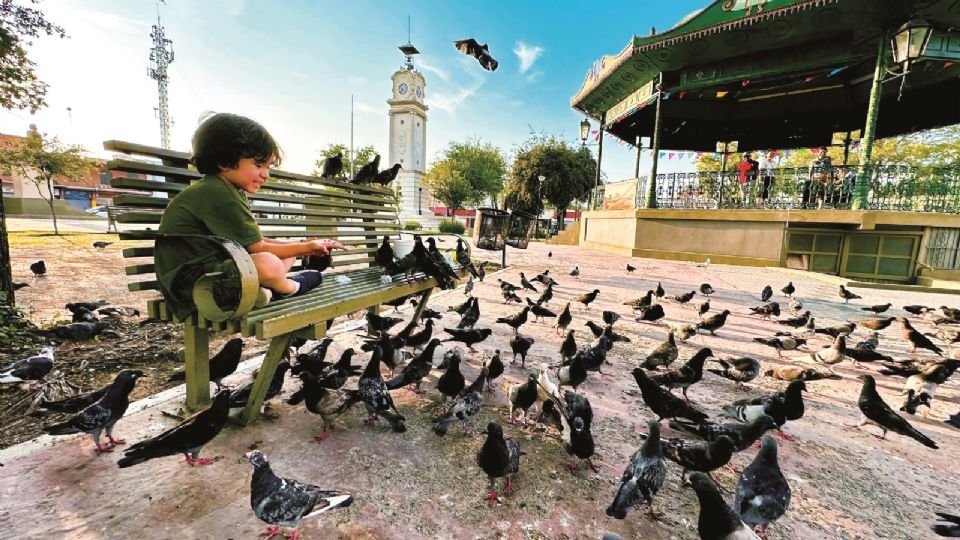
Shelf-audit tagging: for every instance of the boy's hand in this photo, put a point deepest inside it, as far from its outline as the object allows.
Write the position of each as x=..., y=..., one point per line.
x=333, y=244
x=321, y=248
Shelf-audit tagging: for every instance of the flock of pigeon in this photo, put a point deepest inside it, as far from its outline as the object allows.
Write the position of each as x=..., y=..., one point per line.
x=557, y=393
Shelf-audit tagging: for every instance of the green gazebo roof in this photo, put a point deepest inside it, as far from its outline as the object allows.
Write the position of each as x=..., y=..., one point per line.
x=776, y=73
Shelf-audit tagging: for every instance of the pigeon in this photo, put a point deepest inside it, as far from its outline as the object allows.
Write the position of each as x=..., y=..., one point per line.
x=878, y=309
x=950, y=313
x=520, y=345
x=831, y=355
x=865, y=354
x=549, y=254
x=283, y=502
x=376, y=397
x=642, y=478
x=84, y=315
x=38, y=268
x=387, y=175
x=607, y=331
x=101, y=244
x=539, y=312
x=80, y=331
x=89, y=306
x=789, y=290
x=642, y=302
x=515, y=321
x=546, y=388
x=663, y=355
x=468, y=288
x=766, y=293
x=368, y=172
x=587, y=298
x=575, y=272
x=568, y=347
x=510, y=296
x=386, y=258
x=470, y=47
x=917, y=339
x=73, y=404
x=463, y=259
x=652, y=314
x=843, y=329
x=499, y=457
x=594, y=356
x=795, y=306
x=17, y=285
x=223, y=364
x=610, y=317
x=441, y=262
x=847, y=295
x=418, y=368
x=797, y=322
x=706, y=289
x=954, y=420
x=630, y=268
x=740, y=370
x=468, y=337
x=32, y=368
x=564, y=319
x=451, y=383
x=240, y=396
x=465, y=405
x=686, y=375
x=698, y=455
x=782, y=406
x=427, y=313
x=522, y=396
x=659, y=292
x=742, y=435
x=714, y=322
x=391, y=356
x=576, y=417
x=328, y=403
x=546, y=296
x=332, y=166
x=877, y=324
x=766, y=311
x=507, y=286
x=526, y=285
x=574, y=374
x=433, y=264
x=876, y=411
x=915, y=309
x=376, y=323
x=460, y=309
x=795, y=373
x=950, y=529
x=782, y=343
x=920, y=388
x=717, y=521
x=418, y=340
x=494, y=366
x=703, y=307
x=684, y=298
x=118, y=312
x=683, y=332
x=662, y=402
x=762, y=494
x=187, y=438
x=103, y=414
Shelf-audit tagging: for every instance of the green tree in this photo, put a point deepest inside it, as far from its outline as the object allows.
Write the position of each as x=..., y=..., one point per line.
x=568, y=171
x=362, y=156
x=43, y=160
x=19, y=25
x=468, y=174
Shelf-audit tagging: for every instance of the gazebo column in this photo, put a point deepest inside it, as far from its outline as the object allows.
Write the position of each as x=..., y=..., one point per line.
x=650, y=201
x=596, y=183
x=862, y=188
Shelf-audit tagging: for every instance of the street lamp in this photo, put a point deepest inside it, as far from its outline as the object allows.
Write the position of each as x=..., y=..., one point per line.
x=584, y=131
x=536, y=229
x=910, y=41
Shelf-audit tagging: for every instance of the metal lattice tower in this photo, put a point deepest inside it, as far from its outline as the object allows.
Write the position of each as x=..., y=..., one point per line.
x=161, y=56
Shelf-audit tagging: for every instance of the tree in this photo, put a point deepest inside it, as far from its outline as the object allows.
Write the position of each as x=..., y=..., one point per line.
x=469, y=173
x=568, y=171
x=41, y=161
x=362, y=156
x=19, y=86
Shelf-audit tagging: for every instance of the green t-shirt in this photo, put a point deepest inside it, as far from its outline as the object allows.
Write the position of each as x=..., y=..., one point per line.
x=208, y=207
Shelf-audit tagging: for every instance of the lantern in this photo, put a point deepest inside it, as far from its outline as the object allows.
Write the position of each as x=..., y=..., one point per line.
x=910, y=41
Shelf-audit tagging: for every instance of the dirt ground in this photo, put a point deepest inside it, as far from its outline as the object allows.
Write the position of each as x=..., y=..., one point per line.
x=846, y=483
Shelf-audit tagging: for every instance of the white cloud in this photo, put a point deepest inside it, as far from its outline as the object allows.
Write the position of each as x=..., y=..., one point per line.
x=435, y=70
x=367, y=108
x=527, y=54
x=451, y=102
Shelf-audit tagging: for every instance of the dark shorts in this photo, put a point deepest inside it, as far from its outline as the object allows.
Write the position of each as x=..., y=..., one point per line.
x=767, y=181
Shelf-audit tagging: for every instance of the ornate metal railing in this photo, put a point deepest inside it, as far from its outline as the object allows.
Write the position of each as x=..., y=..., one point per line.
x=891, y=187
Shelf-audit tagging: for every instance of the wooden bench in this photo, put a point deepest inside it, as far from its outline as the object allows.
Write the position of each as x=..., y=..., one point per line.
x=289, y=206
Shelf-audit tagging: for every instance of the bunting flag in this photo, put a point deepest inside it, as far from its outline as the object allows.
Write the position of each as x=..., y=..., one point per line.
x=745, y=83
x=670, y=155
x=721, y=94
x=947, y=64
x=661, y=155
x=837, y=70
x=681, y=94
x=810, y=78
x=666, y=95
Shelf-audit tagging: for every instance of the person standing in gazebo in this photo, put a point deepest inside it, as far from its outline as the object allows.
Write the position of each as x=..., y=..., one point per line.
x=821, y=170
x=767, y=166
x=746, y=173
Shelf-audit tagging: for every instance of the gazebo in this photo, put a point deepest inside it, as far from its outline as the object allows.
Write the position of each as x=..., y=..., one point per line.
x=765, y=74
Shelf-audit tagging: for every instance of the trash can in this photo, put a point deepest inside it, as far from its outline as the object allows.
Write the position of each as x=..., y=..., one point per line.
x=491, y=228
x=521, y=229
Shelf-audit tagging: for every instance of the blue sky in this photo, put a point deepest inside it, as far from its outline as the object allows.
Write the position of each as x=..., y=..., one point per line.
x=293, y=65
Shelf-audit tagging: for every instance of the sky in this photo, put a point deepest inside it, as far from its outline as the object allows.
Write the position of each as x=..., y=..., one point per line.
x=293, y=66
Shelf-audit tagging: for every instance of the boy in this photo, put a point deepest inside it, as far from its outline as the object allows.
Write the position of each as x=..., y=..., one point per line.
x=235, y=154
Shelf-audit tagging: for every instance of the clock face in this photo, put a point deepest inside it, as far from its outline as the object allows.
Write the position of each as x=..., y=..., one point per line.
x=419, y=92
x=402, y=89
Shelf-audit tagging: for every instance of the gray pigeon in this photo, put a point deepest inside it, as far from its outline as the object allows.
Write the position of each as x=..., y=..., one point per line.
x=878, y=413
x=717, y=520
x=762, y=494
x=642, y=478
x=282, y=502
x=32, y=368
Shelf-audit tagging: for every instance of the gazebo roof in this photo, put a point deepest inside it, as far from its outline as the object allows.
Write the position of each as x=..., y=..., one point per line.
x=776, y=73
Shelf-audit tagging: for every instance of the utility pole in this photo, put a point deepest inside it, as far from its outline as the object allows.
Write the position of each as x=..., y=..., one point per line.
x=161, y=56
x=351, y=135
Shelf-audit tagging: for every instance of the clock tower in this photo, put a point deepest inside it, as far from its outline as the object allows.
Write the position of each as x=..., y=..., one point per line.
x=408, y=135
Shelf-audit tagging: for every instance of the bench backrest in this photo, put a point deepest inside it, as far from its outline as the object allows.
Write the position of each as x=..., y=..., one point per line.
x=289, y=206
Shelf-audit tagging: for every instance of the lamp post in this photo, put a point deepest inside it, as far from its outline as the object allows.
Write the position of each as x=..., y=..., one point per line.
x=910, y=41
x=536, y=227
x=584, y=131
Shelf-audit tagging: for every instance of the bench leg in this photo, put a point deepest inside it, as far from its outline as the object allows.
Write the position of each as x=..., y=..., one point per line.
x=275, y=352
x=423, y=304
x=376, y=311
x=197, y=342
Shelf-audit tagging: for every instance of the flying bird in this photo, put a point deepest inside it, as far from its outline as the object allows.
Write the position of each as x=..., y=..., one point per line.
x=470, y=47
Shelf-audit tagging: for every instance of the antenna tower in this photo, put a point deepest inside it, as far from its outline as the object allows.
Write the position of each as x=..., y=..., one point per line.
x=161, y=56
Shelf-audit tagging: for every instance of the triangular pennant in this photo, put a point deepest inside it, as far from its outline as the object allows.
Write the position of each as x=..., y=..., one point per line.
x=837, y=70
x=721, y=94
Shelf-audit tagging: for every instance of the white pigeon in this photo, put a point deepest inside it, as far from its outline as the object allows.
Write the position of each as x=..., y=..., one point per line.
x=29, y=369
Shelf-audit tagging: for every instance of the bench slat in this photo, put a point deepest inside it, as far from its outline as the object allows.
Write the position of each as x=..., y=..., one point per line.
x=176, y=174
x=135, y=269
x=181, y=158
x=137, y=286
